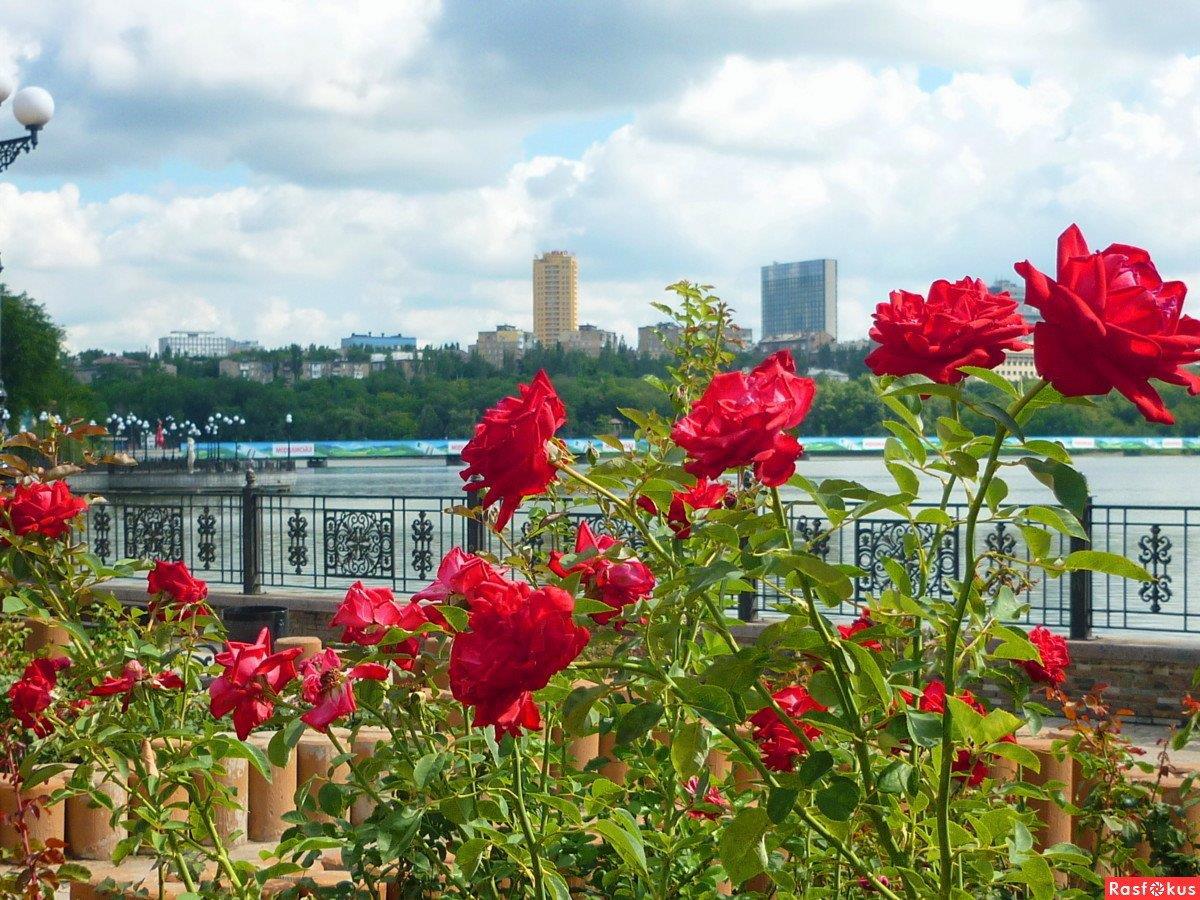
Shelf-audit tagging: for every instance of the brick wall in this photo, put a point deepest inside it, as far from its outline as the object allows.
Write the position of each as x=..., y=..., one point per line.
x=1145, y=675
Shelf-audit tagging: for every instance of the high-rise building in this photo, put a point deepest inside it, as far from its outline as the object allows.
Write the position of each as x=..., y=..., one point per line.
x=506, y=344
x=201, y=343
x=799, y=298
x=1032, y=314
x=555, y=296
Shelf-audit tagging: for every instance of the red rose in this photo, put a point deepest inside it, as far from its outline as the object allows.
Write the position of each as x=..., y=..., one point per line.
x=252, y=678
x=173, y=580
x=966, y=765
x=1055, y=657
x=131, y=676
x=507, y=455
x=365, y=614
x=1111, y=322
x=743, y=419
x=616, y=582
x=519, y=639
x=458, y=573
x=412, y=616
x=704, y=494
x=40, y=508
x=779, y=746
x=330, y=688
x=523, y=714
x=961, y=324
x=862, y=623
x=710, y=806
x=32, y=694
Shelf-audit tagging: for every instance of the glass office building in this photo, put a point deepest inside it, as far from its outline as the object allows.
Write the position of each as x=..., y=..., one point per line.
x=799, y=298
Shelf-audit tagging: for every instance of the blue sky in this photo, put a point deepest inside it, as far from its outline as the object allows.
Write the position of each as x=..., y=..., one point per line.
x=291, y=172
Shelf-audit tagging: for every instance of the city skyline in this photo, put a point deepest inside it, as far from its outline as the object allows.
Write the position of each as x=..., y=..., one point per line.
x=396, y=166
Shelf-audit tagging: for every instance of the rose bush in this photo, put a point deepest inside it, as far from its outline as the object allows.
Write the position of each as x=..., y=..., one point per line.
x=835, y=749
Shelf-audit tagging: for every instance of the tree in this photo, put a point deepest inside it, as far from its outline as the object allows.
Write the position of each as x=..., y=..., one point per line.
x=34, y=369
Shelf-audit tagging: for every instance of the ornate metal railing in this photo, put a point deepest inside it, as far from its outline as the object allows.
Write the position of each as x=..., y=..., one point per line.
x=256, y=538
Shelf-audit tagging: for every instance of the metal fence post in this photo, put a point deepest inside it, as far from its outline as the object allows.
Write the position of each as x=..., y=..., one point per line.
x=251, y=537
x=748, y=600
x=475, y=532
x=1081, y=583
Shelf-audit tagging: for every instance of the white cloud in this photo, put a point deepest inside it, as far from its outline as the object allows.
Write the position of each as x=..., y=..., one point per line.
x=385, y=187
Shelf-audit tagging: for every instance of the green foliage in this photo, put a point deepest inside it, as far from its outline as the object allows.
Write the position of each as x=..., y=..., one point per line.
x=805, y=761
x=32, y=363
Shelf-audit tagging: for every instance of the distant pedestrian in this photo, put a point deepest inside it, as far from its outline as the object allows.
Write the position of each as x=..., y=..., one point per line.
x=160, y=436
x=191, y=454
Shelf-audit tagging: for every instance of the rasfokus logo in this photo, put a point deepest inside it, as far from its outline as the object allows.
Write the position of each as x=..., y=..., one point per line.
x=1142, y=886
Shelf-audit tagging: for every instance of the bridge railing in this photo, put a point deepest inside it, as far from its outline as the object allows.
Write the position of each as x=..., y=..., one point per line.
x=257, y=539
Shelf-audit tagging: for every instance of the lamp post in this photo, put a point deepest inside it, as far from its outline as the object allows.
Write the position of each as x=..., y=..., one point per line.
x=287, y=420
x=33, y=107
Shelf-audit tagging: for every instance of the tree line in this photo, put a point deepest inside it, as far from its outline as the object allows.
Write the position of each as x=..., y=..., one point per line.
x=444, y=392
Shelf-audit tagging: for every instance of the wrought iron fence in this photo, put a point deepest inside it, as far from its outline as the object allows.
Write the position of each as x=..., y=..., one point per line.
x=256, y=538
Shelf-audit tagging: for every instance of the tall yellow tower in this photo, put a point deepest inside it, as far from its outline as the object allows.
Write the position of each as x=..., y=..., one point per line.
x=555, y=296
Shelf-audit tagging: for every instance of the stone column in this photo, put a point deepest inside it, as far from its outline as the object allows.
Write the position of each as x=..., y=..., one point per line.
x=314, y=767
x=270, y=798
x=89, y=829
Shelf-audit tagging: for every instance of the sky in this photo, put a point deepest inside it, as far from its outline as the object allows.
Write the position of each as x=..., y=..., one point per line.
x=292, y=171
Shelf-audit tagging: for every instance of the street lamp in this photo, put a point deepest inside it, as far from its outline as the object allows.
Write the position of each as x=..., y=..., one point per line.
x=288, y=421
x=33, y=108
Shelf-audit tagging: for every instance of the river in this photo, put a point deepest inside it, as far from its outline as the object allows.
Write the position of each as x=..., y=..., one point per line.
x=1114, y=480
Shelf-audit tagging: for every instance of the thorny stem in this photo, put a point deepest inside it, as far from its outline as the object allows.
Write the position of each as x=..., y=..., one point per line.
x=949, y=655
x=535, y=861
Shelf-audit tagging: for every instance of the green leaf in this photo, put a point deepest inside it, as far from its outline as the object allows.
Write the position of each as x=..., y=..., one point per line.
x=456, y=616
x=838, y=800
x=894, y=778
x=910, y=439
x=823, y=688
x=1016, y=649
x=924, y=728
x=14, y=605
x=1052, y=450
x=279, y=748
x=741, y=849
x=635, y=723
x=627, y=846
x=869, y=671
x=1022, y=756
x=426, y=768
x=736, y=671
x=997, y=724
x=905, y=478
x=1106, y=564
x=578, y=704
x=1037, y=541
x=993, y=378
x=469, y=853
x=815, y=765
x=968, y=722
x=704, y=577
x=710, y=701
x=688, y=749
x=1068, y=485
x=1037, y=874
x=586, y=606
x=557, y=885
x=1059, y=520
x=780, y=803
